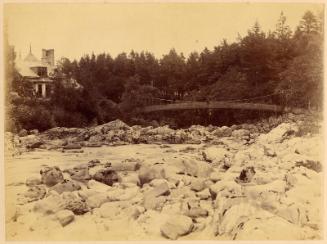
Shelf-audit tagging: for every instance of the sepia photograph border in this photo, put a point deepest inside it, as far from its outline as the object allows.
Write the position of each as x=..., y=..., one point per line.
x=2, y=124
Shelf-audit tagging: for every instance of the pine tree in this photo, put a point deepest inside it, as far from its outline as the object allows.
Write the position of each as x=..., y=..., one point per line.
x=283, y=31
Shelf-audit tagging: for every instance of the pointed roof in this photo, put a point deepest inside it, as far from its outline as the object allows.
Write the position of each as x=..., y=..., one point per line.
x=31, y=58
x=24, y=70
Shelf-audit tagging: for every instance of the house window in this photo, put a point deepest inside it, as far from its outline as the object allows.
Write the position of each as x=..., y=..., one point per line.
x=42, y=71
x=39, y=90
x=47, y=90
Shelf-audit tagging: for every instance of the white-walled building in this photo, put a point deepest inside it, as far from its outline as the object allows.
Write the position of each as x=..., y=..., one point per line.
x=37, y=72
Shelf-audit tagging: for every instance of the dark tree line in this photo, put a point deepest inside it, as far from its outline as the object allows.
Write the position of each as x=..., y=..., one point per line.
x=257, y=64
x=279, y=67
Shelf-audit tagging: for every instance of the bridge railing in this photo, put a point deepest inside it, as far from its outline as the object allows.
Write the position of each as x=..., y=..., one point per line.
x=275, y=98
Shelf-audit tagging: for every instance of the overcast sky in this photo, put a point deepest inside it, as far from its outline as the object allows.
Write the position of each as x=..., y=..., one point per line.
x=77, y=29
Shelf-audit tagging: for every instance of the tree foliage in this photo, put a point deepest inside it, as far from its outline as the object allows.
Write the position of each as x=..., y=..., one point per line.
x=282, y=66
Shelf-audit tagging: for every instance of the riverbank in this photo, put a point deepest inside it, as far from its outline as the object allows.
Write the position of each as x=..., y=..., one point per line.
x=261, y=181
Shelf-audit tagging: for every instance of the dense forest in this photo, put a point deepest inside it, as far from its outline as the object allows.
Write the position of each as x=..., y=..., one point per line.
x=282, y=66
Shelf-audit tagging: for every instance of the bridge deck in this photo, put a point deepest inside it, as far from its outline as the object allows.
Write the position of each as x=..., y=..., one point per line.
x=212, y=105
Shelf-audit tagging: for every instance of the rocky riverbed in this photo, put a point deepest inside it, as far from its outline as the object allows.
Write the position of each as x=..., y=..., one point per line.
x=258, y=181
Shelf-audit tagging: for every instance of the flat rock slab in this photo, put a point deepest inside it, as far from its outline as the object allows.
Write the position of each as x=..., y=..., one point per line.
x=98, y=186
x=72, y=147
x=125, y=166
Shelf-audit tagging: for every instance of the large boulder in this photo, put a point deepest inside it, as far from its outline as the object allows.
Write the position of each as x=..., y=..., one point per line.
x=246, y=175
x=135, y=135
x=98, y=186
x=241, y=134
x=29, y=140
x=274, y=187
x=112, y=125
x=233, y=218
x=106, y=176
x=293, y=213
x=176, y=226
x=23, y=133
x=163, y=131
x=51, y=176
x=116, y=210
x=242, y=157
x=227, y=188
x=250, y=127
x=204, y=194
x=215, y=154
x=80, y=173
x=279, y=134
x=62, y=132
x=159, y=190
x=34, y=132
x=273, y=228
x=155, y=198
x=65, y=217
x=55, y=144
x=223, y=131
x=74, y=203
x=157, y=182
x=126, y=165
x=310, y=164
x=215, y=176
x=55, y=202
x=148, y=173
x=194, y=168
x=196, y=212
x=66, y=186
x=110, y=210
x=93, y=163
x=32, y=194
x=96, y=138
x=179, y=137
x=116, y=137
x=34, y=145
x=119, y=194
x=96, y=200
x=49, y=205
x=269, y=150
x=198, y=184
x=86, y=193
x=154, y=203
x=128, y=178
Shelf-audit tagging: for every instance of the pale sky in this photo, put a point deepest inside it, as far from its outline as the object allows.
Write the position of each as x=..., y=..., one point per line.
x=77, y=29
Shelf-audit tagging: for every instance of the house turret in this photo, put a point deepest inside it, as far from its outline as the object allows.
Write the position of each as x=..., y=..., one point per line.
x=48, y=56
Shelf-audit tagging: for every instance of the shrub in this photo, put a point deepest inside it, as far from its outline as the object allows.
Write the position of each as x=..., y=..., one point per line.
x=107, y=110
x=65, y=118
x=29, y=118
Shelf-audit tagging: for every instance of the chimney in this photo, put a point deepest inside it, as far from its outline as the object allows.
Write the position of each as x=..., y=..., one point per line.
x=48, y=56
